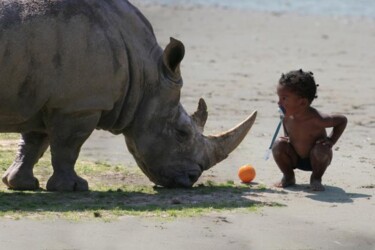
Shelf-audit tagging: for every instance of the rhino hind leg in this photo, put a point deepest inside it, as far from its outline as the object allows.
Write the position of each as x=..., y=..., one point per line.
x=67, y=135
x=19, y=175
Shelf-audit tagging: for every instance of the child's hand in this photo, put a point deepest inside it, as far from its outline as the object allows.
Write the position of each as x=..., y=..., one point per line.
x=325, y=142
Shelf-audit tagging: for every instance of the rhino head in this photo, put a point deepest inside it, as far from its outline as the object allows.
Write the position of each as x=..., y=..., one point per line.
x=167, y=143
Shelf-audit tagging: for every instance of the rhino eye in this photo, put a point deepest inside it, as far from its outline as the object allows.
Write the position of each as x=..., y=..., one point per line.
x=182, y=135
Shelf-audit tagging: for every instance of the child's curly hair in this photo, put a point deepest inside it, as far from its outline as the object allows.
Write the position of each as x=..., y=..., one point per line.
x=301, y=83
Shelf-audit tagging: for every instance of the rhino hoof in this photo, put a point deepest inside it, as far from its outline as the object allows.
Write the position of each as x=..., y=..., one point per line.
x=18, y=180
x=64, y=183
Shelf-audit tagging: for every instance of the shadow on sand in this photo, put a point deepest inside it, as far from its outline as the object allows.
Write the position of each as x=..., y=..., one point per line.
x=331, y=194
x=153, y=199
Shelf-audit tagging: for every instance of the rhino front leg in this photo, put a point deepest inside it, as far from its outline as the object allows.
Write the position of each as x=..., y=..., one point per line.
x=67, y=135
x=19, y=175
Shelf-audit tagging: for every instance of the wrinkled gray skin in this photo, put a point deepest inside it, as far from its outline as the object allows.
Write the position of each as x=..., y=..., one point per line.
x=68, y=67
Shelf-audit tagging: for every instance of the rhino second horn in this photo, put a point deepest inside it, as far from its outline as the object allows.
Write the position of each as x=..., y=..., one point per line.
x=220, y=146
x=200, y=116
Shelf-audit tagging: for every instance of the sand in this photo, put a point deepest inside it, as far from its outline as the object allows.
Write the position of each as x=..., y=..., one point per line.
x=233, y=60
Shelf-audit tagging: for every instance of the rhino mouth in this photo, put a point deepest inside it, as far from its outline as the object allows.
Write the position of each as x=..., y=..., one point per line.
x=168, y=178
x=185, y=180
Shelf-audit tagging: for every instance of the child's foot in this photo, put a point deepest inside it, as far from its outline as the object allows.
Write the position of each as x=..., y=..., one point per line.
x=316, y=185
x=286, y=182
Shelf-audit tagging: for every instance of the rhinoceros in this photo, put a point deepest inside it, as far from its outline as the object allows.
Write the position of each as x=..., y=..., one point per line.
x=68, y=67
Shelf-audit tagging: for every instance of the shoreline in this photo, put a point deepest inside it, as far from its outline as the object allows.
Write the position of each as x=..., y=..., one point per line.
x=258, y=7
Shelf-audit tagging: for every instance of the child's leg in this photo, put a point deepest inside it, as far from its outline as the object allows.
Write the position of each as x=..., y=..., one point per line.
x=320, y=156
x=286, y=159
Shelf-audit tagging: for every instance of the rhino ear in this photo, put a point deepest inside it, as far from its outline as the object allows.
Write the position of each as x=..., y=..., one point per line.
x=172, y=57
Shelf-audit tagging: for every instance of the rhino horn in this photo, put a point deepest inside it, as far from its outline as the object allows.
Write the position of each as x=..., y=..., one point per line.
x=200, y=116
x=219, y=146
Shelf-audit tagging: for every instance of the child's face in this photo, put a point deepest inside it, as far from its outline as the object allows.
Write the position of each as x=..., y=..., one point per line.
x=289, y=101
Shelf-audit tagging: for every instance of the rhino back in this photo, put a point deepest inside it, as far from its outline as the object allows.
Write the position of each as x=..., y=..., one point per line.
x=71, y=55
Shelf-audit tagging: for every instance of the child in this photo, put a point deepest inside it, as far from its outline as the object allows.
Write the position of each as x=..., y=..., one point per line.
x=305, y=145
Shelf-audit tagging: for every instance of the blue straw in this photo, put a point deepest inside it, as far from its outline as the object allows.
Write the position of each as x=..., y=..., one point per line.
x=268, y=151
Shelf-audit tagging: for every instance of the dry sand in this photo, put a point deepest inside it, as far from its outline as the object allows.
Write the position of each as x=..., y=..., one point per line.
x=234, y=59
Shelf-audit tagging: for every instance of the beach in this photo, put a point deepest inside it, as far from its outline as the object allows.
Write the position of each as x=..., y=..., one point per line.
x=233, y=59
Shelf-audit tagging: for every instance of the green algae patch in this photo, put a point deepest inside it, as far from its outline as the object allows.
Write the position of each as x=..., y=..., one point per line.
x=117, y=191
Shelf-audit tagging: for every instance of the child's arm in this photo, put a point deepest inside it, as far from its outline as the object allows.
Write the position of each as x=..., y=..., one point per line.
x=338, y=123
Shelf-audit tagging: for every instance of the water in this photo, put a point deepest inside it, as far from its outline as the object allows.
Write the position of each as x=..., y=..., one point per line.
x=352, y=8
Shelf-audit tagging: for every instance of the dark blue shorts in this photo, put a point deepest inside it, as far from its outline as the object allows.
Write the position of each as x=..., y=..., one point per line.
x=304, y=164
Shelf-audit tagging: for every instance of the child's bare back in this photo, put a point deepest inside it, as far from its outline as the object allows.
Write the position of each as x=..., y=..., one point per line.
x=305, y=145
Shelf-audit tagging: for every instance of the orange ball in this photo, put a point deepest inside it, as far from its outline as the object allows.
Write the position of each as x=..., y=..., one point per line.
x=246, y=173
